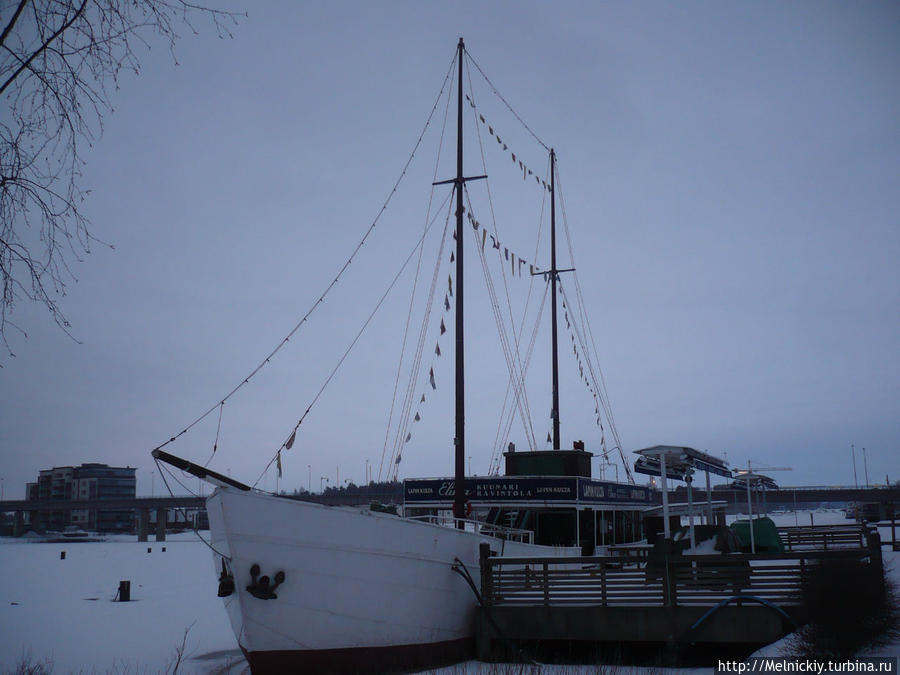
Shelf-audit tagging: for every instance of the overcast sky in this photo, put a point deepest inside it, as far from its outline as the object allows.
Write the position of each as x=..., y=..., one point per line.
x=731, y=175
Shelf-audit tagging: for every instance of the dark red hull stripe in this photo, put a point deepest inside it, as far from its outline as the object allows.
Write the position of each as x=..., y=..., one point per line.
x=395, y=659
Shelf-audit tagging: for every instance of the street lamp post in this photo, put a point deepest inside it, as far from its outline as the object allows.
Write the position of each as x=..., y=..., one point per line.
x=866, y=467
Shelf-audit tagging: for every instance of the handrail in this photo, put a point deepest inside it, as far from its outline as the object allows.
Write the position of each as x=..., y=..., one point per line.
x=696, y=580
x=480, y=527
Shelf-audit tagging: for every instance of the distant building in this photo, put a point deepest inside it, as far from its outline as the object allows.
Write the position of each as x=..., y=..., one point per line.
x=81, y=483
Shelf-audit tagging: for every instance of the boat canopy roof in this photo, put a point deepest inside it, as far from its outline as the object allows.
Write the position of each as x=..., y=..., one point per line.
x=678, y=461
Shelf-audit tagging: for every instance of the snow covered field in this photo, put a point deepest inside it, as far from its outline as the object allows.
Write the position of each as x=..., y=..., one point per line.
x=62, y=611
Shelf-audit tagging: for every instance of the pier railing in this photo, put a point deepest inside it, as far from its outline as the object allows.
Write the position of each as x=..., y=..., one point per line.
x=661, y=582
x=823, y=537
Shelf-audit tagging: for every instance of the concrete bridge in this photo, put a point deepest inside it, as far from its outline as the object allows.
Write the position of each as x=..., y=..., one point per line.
x=801, y=496
x=142, y=506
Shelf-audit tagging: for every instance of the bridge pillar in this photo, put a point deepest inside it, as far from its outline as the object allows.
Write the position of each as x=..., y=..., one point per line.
x=143, y=524
x=161, y=515
x=19, y=524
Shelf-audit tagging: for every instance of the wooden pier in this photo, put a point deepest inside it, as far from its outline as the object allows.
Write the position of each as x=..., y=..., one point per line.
x=736, y=598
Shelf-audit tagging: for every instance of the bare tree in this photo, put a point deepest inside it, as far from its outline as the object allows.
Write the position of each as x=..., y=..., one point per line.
x=59, y=61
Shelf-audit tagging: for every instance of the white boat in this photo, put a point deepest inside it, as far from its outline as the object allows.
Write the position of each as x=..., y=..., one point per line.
x=363, y=591
x=314, y=588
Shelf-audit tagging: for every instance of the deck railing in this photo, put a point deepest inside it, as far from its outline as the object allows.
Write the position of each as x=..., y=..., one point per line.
x=479, y=527
x=823, y=537
x=631, y=580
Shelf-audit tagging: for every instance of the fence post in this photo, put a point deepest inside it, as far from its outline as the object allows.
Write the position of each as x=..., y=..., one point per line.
x=875, y=550
x=670, y=598
x=484, y=560
x=603, y=581
x=546, y=584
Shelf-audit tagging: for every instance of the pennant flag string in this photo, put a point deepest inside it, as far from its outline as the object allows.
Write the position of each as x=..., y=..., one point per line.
x=522, y=166
x=517, y=262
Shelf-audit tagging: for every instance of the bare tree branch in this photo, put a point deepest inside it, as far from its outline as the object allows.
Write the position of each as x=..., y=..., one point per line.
x=59, y=59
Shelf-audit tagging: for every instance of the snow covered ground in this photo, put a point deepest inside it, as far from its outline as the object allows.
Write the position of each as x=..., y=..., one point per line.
x=62, y=611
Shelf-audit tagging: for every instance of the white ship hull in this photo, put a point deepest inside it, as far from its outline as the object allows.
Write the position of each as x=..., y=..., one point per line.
x=363, y=591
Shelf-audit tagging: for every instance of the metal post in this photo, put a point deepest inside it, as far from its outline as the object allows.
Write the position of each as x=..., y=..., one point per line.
x=709, y=510
x=665, y=496
x=866, y=467
x=688, y=478
x=577, y=526
x=750, y=511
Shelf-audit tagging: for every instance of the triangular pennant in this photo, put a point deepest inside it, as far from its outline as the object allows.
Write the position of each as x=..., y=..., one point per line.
x=417, y=417
x=422, y=400
x=450, y=284
x=399, y=457
x=290, y=441
x=446, y=303
x=549, y=440
x=452, y=256
x=431, y=378
x=481, y=117
x=443, y=327
x=437, y=350
x=408, y=436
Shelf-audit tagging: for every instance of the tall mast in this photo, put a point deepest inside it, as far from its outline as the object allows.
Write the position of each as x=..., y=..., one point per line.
x=553, y=278
x=459, y=440
x=459, y=501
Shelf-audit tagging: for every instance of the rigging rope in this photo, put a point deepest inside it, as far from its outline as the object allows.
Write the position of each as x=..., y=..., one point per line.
x=415, y=368
x=520, y=392
x=346, y=353
x=162, y=475
x=508, y=106
x=501, y=440
x=412, y=298
x=321, y=298
x=599, y=380
x=515, y=377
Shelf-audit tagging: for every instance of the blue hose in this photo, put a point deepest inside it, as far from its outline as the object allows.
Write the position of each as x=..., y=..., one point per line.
x=761, y=601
